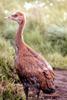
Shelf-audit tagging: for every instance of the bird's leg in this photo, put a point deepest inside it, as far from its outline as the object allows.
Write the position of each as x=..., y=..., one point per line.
x=26, y=89
x=38, y=92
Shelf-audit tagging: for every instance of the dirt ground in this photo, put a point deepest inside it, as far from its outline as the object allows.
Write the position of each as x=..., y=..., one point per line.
x=61, y=87
x=61, y=83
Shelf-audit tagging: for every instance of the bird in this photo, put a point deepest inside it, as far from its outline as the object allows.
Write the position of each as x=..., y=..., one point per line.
x=32, y=68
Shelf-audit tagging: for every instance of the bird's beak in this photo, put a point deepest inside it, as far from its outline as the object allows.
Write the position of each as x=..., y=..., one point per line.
x=6, y=17
x=9, y=17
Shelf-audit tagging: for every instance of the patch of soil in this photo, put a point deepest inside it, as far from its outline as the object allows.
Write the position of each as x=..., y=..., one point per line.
x=61, y=83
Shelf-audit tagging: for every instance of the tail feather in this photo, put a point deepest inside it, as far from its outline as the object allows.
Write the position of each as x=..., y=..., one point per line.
x=49, y=90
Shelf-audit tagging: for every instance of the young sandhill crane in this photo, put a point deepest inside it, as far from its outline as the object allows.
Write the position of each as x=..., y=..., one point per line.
x=32, y=69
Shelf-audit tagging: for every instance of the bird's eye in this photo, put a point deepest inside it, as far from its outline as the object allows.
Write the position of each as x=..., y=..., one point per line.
x=14, y=15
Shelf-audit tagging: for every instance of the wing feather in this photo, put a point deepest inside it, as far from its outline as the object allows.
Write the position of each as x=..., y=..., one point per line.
x=38, y=64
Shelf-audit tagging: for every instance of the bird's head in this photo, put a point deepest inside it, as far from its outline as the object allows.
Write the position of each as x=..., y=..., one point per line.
x=18, y=17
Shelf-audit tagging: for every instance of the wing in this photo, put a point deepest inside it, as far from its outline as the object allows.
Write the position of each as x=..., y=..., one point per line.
x=36, y=63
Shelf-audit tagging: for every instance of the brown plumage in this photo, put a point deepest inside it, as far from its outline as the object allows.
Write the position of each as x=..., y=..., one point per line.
x=32, y=69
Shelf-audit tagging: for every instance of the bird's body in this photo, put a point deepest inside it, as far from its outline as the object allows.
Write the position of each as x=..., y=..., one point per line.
x=32, y=66
x=32, y=69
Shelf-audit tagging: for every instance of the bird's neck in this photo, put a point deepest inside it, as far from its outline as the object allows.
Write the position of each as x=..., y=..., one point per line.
x=19, y=38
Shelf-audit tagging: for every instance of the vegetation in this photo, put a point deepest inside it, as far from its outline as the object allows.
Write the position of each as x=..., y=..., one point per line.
x=46, y=32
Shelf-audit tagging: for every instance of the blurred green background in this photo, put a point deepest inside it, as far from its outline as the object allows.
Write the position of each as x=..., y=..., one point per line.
x=45, y=31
